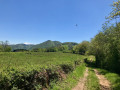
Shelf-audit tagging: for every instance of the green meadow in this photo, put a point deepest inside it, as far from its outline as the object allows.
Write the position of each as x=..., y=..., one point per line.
x=23, y=60
x=19, y=69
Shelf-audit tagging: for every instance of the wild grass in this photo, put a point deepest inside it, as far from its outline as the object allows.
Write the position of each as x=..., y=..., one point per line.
x=72, y=79
x=92, y=80
x=112, y=77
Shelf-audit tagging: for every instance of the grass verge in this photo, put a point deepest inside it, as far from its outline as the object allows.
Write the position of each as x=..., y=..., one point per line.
x=71, y=80
x=92, y=81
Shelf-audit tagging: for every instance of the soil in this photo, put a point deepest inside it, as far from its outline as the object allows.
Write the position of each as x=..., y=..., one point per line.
x=104, y=83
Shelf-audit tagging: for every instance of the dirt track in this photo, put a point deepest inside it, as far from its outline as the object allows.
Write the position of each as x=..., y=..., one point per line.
x=104, y=83
x=81, y=83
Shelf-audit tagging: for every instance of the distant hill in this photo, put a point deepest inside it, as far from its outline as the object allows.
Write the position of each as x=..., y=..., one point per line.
x=70, y=44
x=47, y=44
x=21, y=46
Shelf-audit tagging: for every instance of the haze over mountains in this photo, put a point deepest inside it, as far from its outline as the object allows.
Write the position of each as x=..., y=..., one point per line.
x=46, y=44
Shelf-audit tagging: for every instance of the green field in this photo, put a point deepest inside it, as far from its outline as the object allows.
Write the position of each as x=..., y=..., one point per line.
x=16, y=68
x=24, y=60
x=51, y=70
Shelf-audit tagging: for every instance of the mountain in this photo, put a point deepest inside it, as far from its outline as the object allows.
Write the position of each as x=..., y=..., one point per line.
x=47, y=44
x=70, y=44
x=21, y=46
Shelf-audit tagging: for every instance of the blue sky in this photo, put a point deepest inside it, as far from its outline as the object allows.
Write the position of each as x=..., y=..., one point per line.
x=35, y=21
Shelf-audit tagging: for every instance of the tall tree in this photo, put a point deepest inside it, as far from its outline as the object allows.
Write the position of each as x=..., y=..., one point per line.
x=115, y=11
x=5, y=47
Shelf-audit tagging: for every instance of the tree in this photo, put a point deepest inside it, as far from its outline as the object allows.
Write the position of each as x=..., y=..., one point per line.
x=106, y=44
x=52, y=49
x=39, y=50
x=96, y=48
x=81, y=48
x=115, y=11
x=4, y=46
x=106, y=48
x=1, y=49
x=20, y=50
x=62, y=47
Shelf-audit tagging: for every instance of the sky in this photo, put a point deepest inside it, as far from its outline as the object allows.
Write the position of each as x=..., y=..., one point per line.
x=35, y=21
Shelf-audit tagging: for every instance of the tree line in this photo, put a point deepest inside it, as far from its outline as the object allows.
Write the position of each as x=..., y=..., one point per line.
x=106, y=44
x=4, y=46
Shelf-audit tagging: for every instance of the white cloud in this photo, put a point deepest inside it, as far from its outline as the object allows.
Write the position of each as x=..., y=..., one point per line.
x=27, y=43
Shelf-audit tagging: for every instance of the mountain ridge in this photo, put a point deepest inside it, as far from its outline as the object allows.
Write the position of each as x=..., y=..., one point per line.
x=45, y=44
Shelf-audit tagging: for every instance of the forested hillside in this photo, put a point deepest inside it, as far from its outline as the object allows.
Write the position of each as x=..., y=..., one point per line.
x=21, y=46
x=46, y=44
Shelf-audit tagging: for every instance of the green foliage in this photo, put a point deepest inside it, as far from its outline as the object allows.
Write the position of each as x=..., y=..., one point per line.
x=20, y=50
x=70, y=44
x=52, y=49
x=7, y=49
x=71, y=80
x=81, y=48
x=115, y=11
x=38, y=50
x=1, y=48
x=30, y=70
x=67, y=68
x=92, y=81
x=4, y=47
x=63, y=48
x=105, y=46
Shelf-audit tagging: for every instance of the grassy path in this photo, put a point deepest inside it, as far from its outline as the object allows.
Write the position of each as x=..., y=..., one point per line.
x=81, y=83
x=92, y=82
